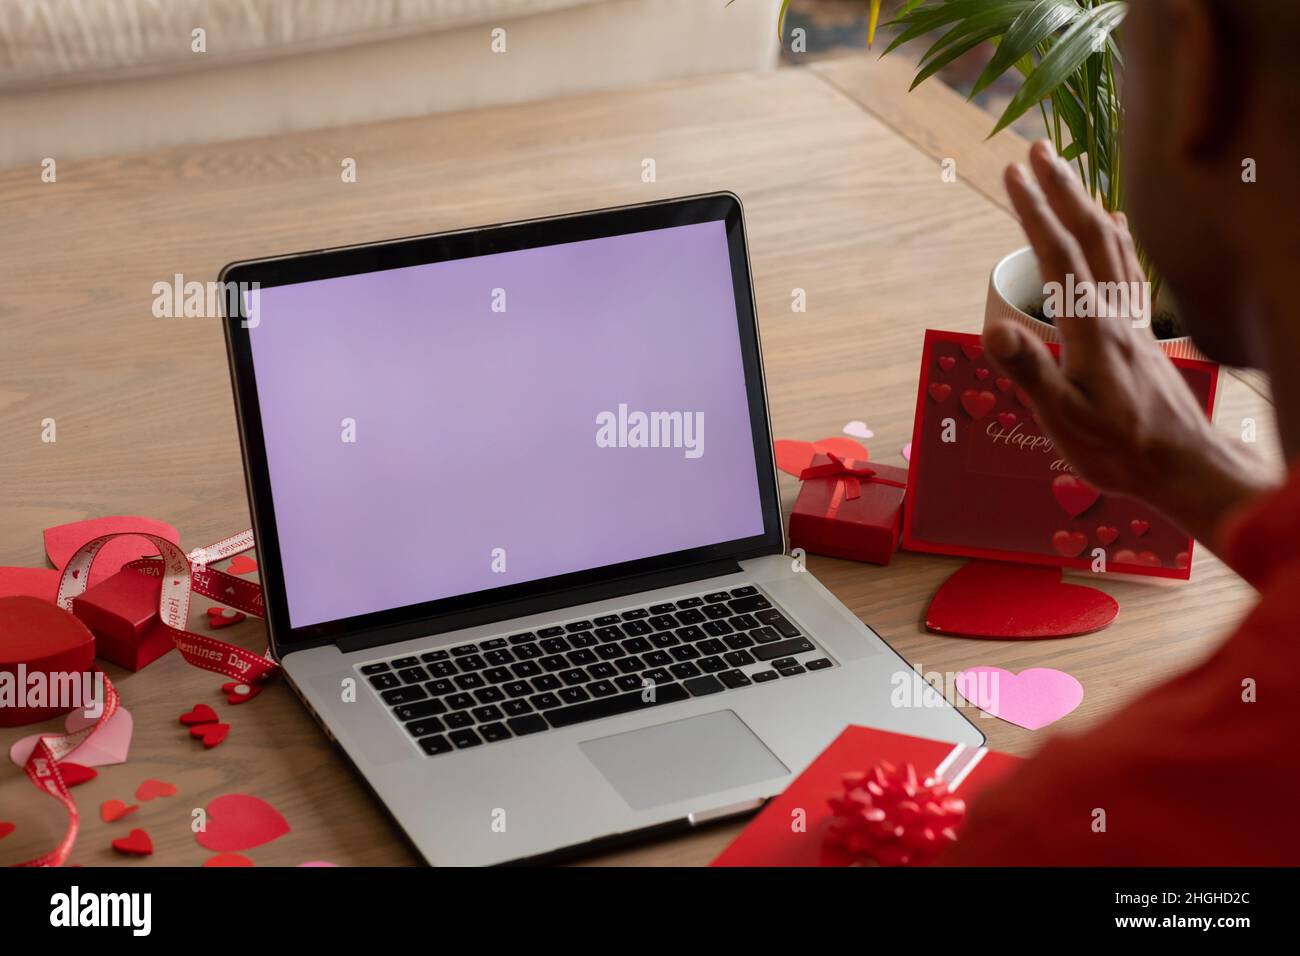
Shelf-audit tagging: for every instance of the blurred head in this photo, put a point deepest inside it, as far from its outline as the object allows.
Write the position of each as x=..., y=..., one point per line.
x=1212, y=87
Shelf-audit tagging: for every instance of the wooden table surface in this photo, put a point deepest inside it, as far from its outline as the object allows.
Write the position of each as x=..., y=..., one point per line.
x=839, y=170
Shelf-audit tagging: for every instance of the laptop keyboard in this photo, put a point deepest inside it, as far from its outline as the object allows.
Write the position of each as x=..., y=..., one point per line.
x=491, y=690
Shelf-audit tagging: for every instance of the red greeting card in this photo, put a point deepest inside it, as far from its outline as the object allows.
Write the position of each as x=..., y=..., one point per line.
x=986, y=482
x=791, y=829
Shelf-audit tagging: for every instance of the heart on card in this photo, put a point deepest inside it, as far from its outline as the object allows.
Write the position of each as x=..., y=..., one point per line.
x=1002, y=383
x=1145, y=559
x=210, y=734
x=238, y=692
x=1007, y=420
x=972, y=352
x=113, y=810
x=999, y=601
x=153, y=789
x=62, y=542
x=939, y=391
x=981, y=373
x=1069, y=544
x=1139, y=527
x=793, y=457
x=201, y=714
x=858, y=429
x=978, y=403
x=40, y=583
x=1074, y=496
x=237, y=822
x=1106, y=535
x=1031, y=699
x=241, y=564
x=946, y=362
x=106, y=746
x=137, y=843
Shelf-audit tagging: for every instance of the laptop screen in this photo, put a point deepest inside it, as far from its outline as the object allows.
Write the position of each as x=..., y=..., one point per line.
x=449, y=428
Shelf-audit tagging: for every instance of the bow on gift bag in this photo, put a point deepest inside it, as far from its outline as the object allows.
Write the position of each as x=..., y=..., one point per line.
x=848, y=508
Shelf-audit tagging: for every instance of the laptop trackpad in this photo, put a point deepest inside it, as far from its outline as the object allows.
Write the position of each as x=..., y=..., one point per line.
x=683, y=759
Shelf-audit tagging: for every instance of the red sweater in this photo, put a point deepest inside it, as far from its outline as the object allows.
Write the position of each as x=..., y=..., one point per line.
x=1191, y=773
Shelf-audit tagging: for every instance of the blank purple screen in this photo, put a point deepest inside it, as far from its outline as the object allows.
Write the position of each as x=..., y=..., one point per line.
x=475, y=460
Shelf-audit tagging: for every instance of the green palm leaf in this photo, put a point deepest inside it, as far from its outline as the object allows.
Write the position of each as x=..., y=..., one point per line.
x=1034, y=26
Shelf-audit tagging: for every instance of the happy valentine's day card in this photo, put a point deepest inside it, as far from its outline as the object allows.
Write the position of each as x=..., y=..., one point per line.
x=986, y=482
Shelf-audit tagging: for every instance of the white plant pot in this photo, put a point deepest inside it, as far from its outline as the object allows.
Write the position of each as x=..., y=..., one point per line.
x=1016, y=287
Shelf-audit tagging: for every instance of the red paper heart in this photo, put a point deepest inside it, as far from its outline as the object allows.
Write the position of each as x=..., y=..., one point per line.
x=1139, y=527
x=40, y=583
x=62, y=542
x=136, y=844
x=1000, y=601
x=75, y=773
x=1069, y=543
x=946, y=362
x=152, y=789
x=227, y=859
x=237, y=692
x=201, y=714
x=977, y=403
x=1074, y=496
x=940, y=391
x=1003, y=384
x=112, y=810
x=1106, y=535
x=6, y=828
x=241, y=564
x=237, y=822
x=210, y=734
x=219, y=617
x=981, y=373
x=972, y=352
x=1007, y=420
x=793, y=457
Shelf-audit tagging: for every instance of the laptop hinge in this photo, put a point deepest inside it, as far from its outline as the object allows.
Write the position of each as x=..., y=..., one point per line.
x=568, y=597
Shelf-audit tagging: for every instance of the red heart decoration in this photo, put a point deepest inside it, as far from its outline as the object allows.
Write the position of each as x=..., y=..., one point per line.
x=1069, y=543
x=1181, y=560
x=946, y=362
x=972, y=352
x=152, y=789
x=991, y=599
x=1074, y=496
x=47, y=641
x=793, y=457
x=210, y=734
x=241, y=564
x=1139, y=527
x=1106, y=535
x=136, y=844
x=977, y=403
x=201, y=714
x=75, y=773
x=227, y=859
x=940, y=391
x=112, y=810
x=219, y=617
x=981, y=373
x=237, y=822
x=40, y=583
x=1007, y=420
x=62, y=542
x=1147, y=559
x=1003, y=384
x=238, y=692
x=6, y=828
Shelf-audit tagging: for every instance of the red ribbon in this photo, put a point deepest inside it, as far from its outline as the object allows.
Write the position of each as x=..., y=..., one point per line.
x=889, y=816
x=848, y=474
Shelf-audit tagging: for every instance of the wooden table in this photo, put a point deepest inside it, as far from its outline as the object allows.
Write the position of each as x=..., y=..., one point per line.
x=839, y=170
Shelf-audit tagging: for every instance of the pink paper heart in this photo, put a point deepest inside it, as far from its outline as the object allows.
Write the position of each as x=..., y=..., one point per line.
x=107, y=746
x=237, y=822
x=1031, y=699
x=858, y=429
x=907, y=452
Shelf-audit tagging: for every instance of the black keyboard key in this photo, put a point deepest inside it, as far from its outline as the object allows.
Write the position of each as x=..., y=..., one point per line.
x=630, y=665
x=546, y=682
x=472, y=663
x=664, y=639
x=464, y=650
x=606, y=620
x=458, y=718
x=401, y=662
x=494, y=732
x=712, y=665
x=762, y=677
x=711, y=646
x=574, y=695
x=581, y=658
x=690, y=616
x=526, y=652
x=657, y=676
x=790, y=671
x=518, y=688
x=544, y=702
x=635, y=628
x=530, y=724
x=684, y=670
x=489, y=695
x=700, y=686
x=684, y=652
x=636, y=614
x=784, y=662
x=738, y=641
x=739, y=658
x=384, y=681
x=526, y=669
x=609, y=651
x=734, y=679
x=768, y=652
x=658, y=658
x=402, y=695
x=716, y=612
x=425, y=708
x=744, y=622
x=662, y=608
x=439, y=687
x=555, y=645
x=601, y=688
x=607, y=634
x=717, y=628
x=485, y=714
x=432, y=656
x=493, y=644
x=443, y=669
x=690, y=602
x=517, y=708
x=496, y=675
x=820, y=664
x=554, y=663
x=464, y=738
x=575, y=626
x=691, y=633
x=550, y=631
x=744, y=591
x=435, y=745
x=765, y=635
x=776, y=619
x=746, y=604
x=612, y=706
x=627, y=682
x=425, y=726
x=523, y=638
x=498, y=657
x=603, y=669
x=664, y=622
x=379, y=668
x=585, y=639
x=637, y=645
x=716, y=596
x=469, y=681
x=460, y=701
x=575, y=676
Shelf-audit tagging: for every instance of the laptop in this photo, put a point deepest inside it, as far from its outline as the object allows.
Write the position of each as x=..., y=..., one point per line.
x=520, y=536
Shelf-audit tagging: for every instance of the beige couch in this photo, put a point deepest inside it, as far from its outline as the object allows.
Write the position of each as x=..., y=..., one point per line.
x=85, y=78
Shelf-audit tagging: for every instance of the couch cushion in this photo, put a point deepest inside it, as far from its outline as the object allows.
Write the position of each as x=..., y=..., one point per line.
x=46, y=43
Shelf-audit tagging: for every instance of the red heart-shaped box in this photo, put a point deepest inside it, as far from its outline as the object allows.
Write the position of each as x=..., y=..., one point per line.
x=45, y=640
x=122, y=611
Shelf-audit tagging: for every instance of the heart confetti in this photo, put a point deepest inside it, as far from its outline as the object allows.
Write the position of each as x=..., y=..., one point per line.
x=219, y=617
x=210, y=734
x=201, y=714
x=858, y=429
x=1031, y=699
x=7, y=828
x=152, y=789
x=113, y=810
x=237, y=822
x=241, y=564
x=239, y=693
x=135, y=844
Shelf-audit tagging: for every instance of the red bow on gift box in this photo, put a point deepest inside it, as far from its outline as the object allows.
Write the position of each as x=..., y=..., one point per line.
x=889, y=816
x=851, y=472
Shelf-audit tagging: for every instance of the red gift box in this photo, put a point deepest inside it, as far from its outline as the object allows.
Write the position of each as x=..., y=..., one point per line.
x=849, y=509
x=122, y=613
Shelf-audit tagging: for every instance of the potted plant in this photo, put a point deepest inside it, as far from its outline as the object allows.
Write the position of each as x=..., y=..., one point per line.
x=1070, y=65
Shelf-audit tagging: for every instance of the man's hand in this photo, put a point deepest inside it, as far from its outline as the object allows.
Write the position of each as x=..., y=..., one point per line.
x=1116, y=407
